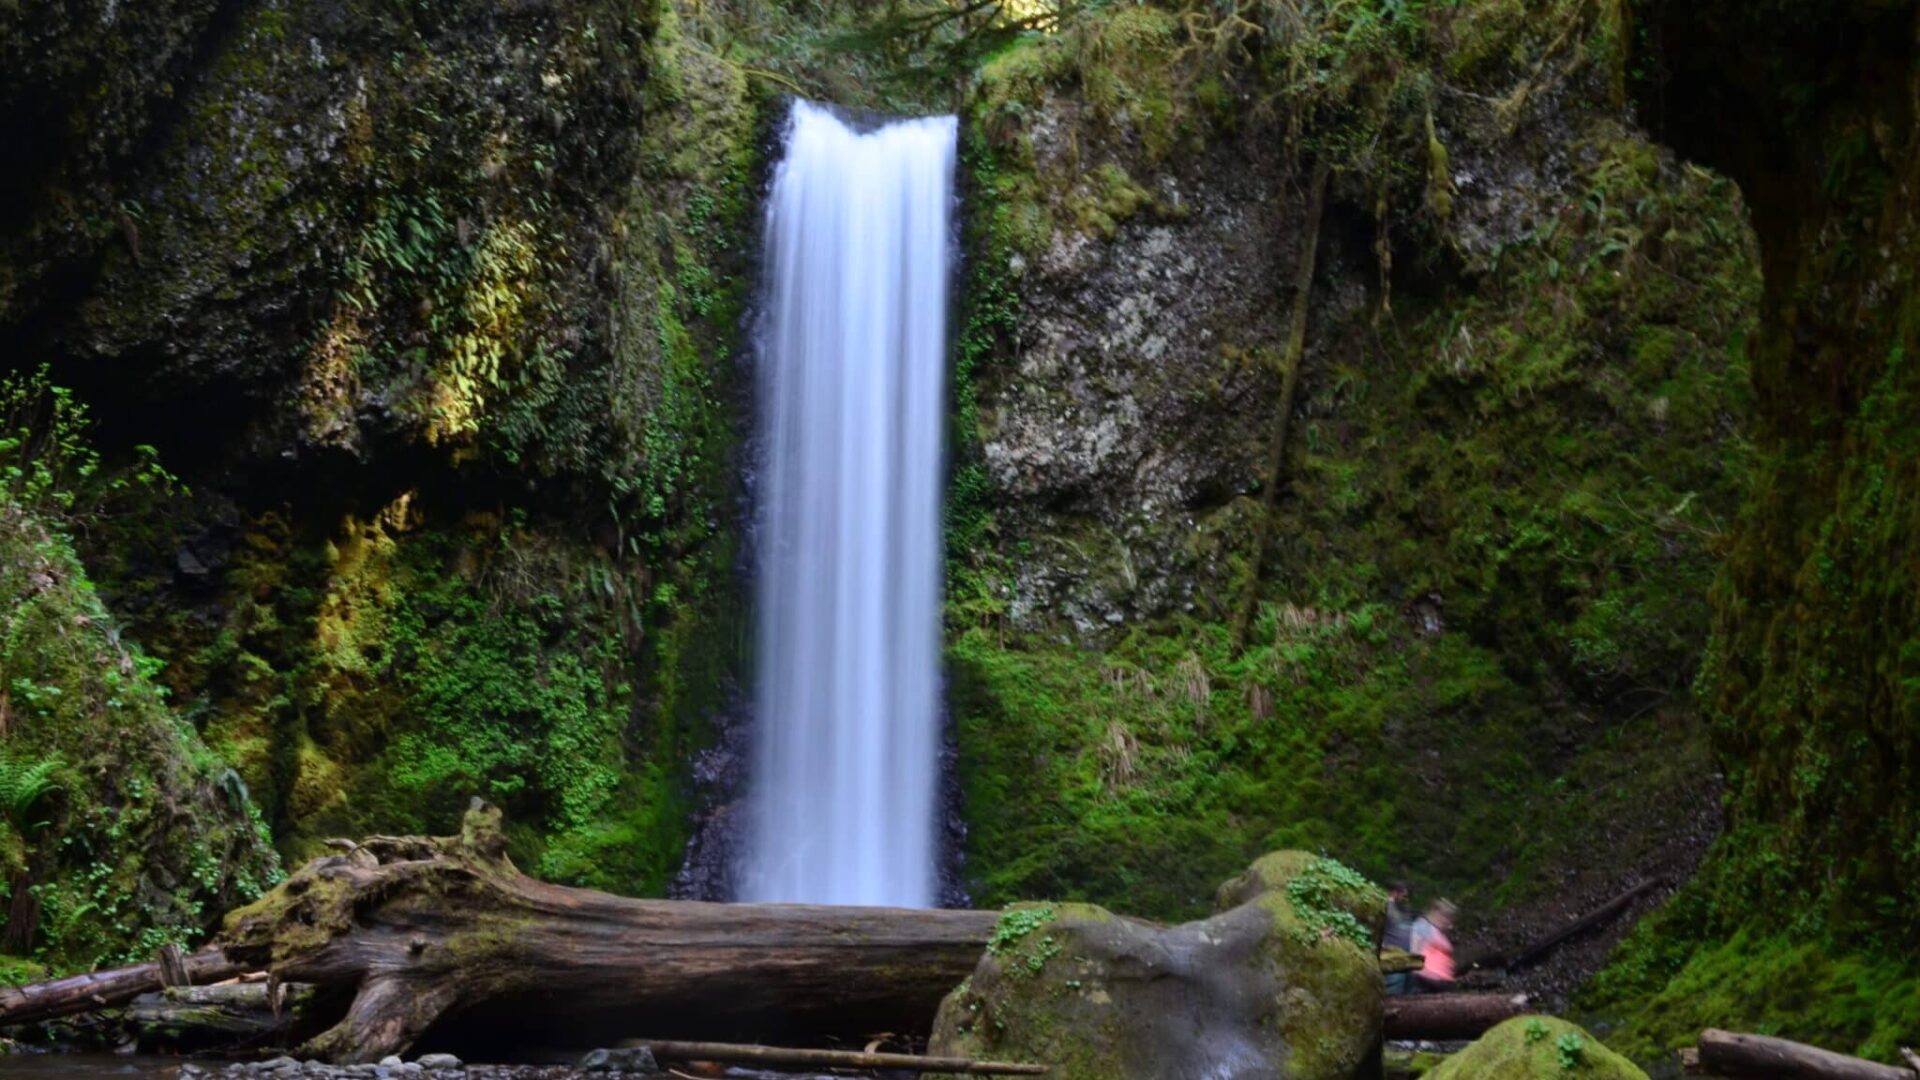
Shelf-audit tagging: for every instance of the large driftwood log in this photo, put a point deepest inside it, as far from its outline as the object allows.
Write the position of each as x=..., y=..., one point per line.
x=1734, y=1054
x=423, y=929
x=1450, y=1016
x=115, y=986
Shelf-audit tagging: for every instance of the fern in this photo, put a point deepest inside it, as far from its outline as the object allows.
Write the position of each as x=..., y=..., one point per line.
x=24, y=784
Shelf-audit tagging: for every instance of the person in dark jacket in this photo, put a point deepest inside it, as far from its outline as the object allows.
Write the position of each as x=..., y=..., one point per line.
x=1399, y=933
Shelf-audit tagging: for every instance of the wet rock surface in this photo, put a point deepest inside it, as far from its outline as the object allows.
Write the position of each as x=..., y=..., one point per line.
x=1283, y=985
x=1134, y=410
x=625, y=1061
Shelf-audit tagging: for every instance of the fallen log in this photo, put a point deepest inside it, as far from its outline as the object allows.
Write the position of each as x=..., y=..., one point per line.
x=231, y=1015
x=1592, y=920
x=421, y=929
x=1737, y=1054
x=115, y=986
x=741, y=1054
x=1450, y=1016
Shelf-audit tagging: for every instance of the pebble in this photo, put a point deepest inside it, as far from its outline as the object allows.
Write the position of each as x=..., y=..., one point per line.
x=632, y=1062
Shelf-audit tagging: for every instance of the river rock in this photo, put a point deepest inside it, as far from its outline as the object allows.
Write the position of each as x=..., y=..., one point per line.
x=625, y=1059
x=1283, y=985
x=1529, y=1046
x=437, y=1062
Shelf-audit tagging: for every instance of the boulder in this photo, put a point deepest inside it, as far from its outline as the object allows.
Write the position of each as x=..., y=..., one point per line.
x=1283, y=985
x=1529, y=1046
x=636, y=1059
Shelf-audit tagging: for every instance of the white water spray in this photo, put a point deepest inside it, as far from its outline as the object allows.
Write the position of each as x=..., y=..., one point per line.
x=852, y=403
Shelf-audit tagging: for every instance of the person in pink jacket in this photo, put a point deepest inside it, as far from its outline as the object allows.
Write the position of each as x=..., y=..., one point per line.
x=1431, y=943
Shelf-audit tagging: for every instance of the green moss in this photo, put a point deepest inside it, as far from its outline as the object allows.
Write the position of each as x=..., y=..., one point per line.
x=141, y=837
x=545, y=297
x=1681, y=970
x=1503, y=507
x=1530, y=1047
x=1097, y=996
x=1799, y=923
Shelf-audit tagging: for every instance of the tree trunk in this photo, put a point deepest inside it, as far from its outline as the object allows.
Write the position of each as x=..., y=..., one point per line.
x=23, y=916
x=423, y=929
x=1450, y=1016
x=101, y=989
x=1730, y=1053
x=1289, y=389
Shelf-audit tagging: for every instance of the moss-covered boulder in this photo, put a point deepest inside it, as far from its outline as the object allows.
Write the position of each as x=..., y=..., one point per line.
x=1526, y=1047
x=1282, y=985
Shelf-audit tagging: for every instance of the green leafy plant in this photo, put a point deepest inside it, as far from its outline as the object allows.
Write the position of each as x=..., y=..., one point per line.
x=24, y=784
x=1571, y=1049
x=1015, y=925
x=1314, y=896
x=47, y=463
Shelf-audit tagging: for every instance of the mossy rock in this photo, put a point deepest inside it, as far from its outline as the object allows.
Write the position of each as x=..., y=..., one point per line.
x=1261, y=990
x=140, y=835
x=1321, y=887
x=1526, y=1047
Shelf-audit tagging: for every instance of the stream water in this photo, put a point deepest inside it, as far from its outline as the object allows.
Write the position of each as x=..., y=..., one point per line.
x=86, y=1067
x=852, y=355
x=66, y=1066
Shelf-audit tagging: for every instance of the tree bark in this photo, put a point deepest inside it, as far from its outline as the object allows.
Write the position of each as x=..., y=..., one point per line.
x=23, y=916
x=102, y=989
x=423, y=929
x=1450, y=1016
x=1289, y=389
x=229, y=1016
x=1734, y=1054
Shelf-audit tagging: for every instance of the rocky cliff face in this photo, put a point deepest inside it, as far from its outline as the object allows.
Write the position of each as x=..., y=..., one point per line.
x=1811, y=684
x=432, y=306
x=119, y=830
x=1517, y=441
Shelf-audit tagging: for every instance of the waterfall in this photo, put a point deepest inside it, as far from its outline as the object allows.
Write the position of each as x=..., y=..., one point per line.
x=852, y=360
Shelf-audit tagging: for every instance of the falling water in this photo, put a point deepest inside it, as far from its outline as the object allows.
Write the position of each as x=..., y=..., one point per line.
x=853, y=373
